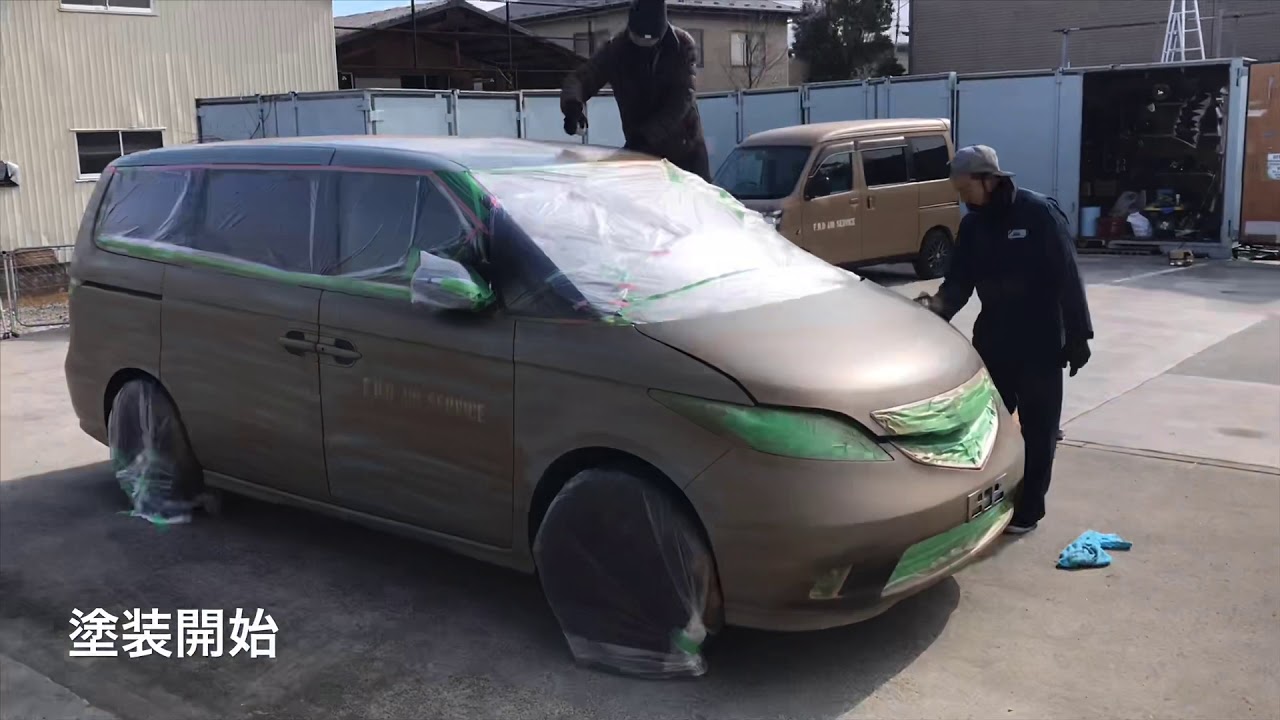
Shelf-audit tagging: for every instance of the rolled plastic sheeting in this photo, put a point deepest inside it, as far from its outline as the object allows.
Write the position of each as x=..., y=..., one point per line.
x=627, y=575
x=148, y=455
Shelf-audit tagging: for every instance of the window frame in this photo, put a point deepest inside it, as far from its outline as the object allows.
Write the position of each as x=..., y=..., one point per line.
x=906, y=161
x=697, y=34
x=105, y=7
x=93, y=177
x=746, y=55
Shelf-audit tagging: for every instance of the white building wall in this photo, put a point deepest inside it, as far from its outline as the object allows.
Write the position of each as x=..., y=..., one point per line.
x=63, y=70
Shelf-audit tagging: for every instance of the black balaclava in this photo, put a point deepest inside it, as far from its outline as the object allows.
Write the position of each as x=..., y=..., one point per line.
x=647, y=22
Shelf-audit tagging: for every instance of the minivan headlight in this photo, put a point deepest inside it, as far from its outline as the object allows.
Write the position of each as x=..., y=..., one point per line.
x=789, y=433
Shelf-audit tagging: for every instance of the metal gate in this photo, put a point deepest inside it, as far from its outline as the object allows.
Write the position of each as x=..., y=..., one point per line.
x=719, y=115
x=835, y=102
x=36, y=287
x=929, y=97
x=411, y=113
x=1033, y=121
x=768, y=109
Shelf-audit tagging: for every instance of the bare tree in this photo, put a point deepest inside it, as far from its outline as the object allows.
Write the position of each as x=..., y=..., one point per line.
x=751, y=55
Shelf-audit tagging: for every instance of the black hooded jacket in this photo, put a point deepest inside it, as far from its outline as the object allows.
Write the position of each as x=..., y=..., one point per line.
x=1017, y=252
x=654, y=89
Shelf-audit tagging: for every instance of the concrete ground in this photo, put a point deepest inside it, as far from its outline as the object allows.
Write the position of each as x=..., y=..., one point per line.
x=1172, y=442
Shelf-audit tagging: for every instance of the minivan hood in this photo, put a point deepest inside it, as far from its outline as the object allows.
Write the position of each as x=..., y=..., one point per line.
x=852, y=351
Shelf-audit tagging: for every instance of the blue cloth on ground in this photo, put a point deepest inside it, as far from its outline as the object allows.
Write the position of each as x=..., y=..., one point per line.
x=1090, y=550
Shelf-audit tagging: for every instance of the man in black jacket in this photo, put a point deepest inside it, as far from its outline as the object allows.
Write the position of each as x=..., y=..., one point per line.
x=651, y=66
x=1015, y=248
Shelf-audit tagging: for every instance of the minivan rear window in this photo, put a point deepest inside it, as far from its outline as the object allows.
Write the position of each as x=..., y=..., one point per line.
x=762, y=172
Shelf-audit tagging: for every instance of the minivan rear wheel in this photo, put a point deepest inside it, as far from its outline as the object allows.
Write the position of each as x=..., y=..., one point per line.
x=628, y=575
x=935, y=255
x=150, y=455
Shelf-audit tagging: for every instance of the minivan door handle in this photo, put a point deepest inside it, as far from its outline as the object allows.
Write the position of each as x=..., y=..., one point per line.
x=296, y=343
x=339, y=351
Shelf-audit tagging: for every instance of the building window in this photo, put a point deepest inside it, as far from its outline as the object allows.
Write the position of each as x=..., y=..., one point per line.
x=582, y=42
x=697, y=42
x=746, y=48
x=97, y=148
x=120, y=6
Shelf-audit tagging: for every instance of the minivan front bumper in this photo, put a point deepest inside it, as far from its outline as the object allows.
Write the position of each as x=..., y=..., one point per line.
x=807, y=545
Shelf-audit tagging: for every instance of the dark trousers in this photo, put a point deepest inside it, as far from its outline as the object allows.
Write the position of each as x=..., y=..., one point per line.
x=1034, y=389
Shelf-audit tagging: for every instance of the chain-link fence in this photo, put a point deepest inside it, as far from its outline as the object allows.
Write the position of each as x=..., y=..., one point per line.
x=35, y=287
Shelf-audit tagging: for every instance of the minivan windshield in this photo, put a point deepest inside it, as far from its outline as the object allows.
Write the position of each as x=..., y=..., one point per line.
x=643, y=241
x=762, y=172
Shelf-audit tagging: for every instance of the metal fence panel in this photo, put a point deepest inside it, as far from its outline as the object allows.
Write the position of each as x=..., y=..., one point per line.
x=35, y=286
x=321, y=116
x=1035, y=130
x=719, y=126
x=604, y=123
x=232, y=121
x=914, y=99
x=488, y=115
x=771, y=109
x=411, y=114
x=835, y=103
x=543, y=119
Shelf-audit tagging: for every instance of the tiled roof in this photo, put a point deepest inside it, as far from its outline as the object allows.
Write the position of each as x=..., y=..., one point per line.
x=378, y=18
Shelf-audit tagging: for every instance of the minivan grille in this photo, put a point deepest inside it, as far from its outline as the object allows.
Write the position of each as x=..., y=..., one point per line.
x=955, y=429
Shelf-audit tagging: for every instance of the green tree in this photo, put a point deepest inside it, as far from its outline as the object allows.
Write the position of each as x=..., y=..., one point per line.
x=846, y=39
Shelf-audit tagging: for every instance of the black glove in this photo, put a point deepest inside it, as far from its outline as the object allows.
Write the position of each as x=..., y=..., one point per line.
x=927, y=301
x=1076, y=354
x=574, y=117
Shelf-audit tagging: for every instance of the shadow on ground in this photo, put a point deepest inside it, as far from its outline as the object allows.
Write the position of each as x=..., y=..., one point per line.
x=372, y=625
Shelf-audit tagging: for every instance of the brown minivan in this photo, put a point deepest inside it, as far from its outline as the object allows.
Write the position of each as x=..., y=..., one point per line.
x=556, y=358
x=854, y=193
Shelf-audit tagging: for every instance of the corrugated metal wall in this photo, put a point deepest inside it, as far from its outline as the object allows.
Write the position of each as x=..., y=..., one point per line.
x=64, y=71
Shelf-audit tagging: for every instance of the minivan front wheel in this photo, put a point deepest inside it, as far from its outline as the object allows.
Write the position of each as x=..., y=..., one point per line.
x=150, y=455
x=628, y=575
x=935, y=255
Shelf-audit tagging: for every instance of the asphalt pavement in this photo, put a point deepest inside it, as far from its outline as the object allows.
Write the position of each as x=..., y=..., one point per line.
x=1185, y=625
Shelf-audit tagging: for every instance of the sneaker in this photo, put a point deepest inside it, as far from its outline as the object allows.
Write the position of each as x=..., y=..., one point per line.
x=1015, y=528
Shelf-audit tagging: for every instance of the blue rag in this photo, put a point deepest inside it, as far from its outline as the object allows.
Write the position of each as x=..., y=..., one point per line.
x=1090, y=550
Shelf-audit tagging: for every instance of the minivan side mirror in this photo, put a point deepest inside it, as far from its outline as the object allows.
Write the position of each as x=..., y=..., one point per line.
x=818, y=186
x=448, y=285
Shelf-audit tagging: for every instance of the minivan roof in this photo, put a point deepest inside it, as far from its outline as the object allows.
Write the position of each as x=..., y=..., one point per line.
x=380, y=151
x=816, y=133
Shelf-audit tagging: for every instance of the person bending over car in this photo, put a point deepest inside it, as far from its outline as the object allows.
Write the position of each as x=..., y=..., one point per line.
x=651, y=68
x=1015, y=247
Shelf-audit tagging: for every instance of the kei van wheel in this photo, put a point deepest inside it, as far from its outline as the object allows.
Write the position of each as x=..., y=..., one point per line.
x=150, y=454
x=628, y=576
x=935, y=255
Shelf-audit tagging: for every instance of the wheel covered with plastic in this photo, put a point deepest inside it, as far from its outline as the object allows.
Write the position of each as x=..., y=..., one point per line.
x=627, y=574
x=150, y=454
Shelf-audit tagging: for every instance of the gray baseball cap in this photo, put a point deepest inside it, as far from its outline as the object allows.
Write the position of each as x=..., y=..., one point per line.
x=977, y=160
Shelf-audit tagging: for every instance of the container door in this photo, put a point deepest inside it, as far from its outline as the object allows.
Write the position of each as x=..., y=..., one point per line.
x=1034, y=125
x=834, y=103
x=604, y=122
x=488, y=115
x=1233, y=172
x=771, y=109
x=316, y=116
x=543, y=120
x=928, y=99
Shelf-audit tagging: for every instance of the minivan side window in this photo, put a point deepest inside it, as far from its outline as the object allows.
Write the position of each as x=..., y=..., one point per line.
x=146, y=204
x=929, y=160
x=383, y=218
x=839, y=171
x=885, y=166
x=277, y=218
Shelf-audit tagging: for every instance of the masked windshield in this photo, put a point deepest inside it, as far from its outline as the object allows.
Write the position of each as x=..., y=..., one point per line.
x=642, y=241
x=761, y=172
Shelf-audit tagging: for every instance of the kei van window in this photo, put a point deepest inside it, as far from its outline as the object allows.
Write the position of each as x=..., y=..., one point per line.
x=95, y=149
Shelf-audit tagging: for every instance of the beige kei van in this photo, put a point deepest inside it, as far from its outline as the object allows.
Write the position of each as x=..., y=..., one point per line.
x=854, y=193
